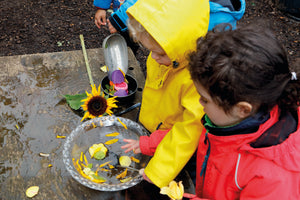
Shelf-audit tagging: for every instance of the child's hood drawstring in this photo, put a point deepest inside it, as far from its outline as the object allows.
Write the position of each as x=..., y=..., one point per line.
x=207, y=123
x=204, y=164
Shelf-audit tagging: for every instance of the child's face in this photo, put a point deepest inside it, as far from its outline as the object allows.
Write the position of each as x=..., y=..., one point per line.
x=215, y=113
x=158, y=54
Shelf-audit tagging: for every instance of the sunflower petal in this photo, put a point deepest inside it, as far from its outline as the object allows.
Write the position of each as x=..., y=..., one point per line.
x=94, y=90
x=99, y=90
x=85, y=116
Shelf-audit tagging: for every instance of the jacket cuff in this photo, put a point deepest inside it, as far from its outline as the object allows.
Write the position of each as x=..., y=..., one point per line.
x=145, y=146
x=117, y=23
x=98, y=8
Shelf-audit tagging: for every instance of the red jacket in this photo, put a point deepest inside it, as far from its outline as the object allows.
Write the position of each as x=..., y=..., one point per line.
x=148, y=144
x=236, y=170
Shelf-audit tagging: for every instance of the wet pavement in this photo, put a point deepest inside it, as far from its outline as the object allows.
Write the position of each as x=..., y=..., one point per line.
x=32, y=114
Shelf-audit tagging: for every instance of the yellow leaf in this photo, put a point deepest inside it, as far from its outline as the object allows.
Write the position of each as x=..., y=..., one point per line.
x=122, y=175
x=112, y=134
x=111, y=141
x=60, y=136
x=32, y=191
x=49, y=165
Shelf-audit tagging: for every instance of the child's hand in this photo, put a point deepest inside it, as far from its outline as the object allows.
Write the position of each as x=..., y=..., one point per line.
x=110, y=27
x=145, y=177
x=100, y=18
x=133, y=145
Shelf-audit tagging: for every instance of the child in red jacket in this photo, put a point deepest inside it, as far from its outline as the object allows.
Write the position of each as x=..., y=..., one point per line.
x=250, y=146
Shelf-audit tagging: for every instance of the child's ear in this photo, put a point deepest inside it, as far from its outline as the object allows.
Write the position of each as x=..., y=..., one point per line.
x=244, y=109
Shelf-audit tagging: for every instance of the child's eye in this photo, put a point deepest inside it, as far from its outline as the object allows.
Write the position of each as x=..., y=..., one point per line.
x=203, y=100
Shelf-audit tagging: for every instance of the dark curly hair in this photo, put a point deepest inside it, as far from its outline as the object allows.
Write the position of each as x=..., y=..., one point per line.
x=246, y=64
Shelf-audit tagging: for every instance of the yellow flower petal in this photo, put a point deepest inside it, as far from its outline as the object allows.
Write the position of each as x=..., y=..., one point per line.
x=111, y=141
x=181, y=188
x=104, y=164
x=94, y=90
x=135, y=159
x=84, y=106
x=122, y=175
x=32, y=191
x=104, y=68
x=125, y=180
x=165, y=190
x=112, y=134
x=124, y=125
x=85, y=116
x=174, y=191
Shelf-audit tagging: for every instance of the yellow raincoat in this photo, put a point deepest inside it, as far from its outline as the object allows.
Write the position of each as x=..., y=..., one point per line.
x=169, y=94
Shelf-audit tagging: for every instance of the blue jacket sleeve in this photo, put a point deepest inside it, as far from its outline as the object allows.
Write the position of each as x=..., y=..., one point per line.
x=119, y=18
x=220, y=14
x=104, y=4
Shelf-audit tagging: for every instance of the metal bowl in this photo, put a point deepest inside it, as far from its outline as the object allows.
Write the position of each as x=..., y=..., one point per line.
x=115, y=53
x=94, y=131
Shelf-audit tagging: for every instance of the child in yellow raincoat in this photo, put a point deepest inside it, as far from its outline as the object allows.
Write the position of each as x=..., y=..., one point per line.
x=170, y=100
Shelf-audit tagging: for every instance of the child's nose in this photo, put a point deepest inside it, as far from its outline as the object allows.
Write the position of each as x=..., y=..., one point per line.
x=155, y=56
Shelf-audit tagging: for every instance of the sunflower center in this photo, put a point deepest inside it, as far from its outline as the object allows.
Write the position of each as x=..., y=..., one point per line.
x=97, y=105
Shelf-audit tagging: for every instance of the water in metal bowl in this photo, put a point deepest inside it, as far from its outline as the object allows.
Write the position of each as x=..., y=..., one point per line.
x=95, y=131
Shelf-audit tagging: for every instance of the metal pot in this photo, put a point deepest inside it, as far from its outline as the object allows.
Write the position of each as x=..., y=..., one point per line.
x=132, y=88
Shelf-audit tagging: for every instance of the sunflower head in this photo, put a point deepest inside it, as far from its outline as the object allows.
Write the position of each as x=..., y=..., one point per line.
x=96, y=104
